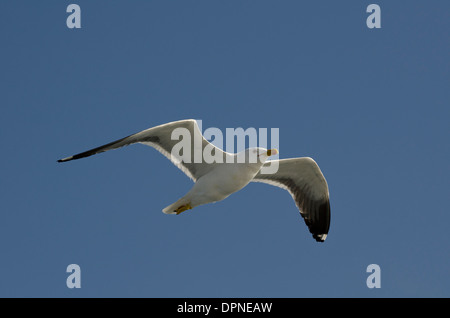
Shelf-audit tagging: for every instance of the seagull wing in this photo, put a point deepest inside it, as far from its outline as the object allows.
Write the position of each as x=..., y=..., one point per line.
x=160, y=138
x=308, y=187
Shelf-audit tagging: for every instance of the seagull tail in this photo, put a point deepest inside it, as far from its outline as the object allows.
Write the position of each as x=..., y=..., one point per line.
x=172, y=209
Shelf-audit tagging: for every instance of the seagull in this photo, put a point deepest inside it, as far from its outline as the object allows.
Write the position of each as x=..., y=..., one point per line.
x=216, y=180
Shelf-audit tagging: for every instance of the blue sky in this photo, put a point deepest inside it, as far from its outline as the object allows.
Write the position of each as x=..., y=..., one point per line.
x=369, y=105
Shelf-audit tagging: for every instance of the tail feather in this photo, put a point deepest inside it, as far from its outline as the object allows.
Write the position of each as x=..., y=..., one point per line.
x=171, y=209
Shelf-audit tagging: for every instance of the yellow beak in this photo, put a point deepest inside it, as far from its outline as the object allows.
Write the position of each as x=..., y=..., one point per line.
x=272, y=152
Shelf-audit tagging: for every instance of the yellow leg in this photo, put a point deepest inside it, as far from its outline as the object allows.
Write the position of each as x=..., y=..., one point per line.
x=183, y=208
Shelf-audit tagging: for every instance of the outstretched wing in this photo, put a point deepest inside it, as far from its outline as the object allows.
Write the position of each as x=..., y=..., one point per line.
x=160, y=138
x=308, y=187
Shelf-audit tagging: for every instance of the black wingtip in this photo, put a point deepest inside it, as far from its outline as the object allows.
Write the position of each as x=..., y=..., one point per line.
x=320, y=226
x=65, y=159
x=320, y=237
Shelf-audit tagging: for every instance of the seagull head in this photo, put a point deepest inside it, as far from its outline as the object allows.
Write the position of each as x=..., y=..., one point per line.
x=263, y=154
x=256, y=155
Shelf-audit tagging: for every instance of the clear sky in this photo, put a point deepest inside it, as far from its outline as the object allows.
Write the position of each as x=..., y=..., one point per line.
x=371, y=106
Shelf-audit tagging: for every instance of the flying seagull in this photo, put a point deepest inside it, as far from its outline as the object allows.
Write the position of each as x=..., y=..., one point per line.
x=216, y=180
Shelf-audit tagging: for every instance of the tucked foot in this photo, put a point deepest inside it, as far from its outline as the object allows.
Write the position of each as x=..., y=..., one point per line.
x=183, y=208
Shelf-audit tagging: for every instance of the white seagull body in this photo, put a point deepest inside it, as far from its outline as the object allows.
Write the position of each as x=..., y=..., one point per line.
x=301, y=177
